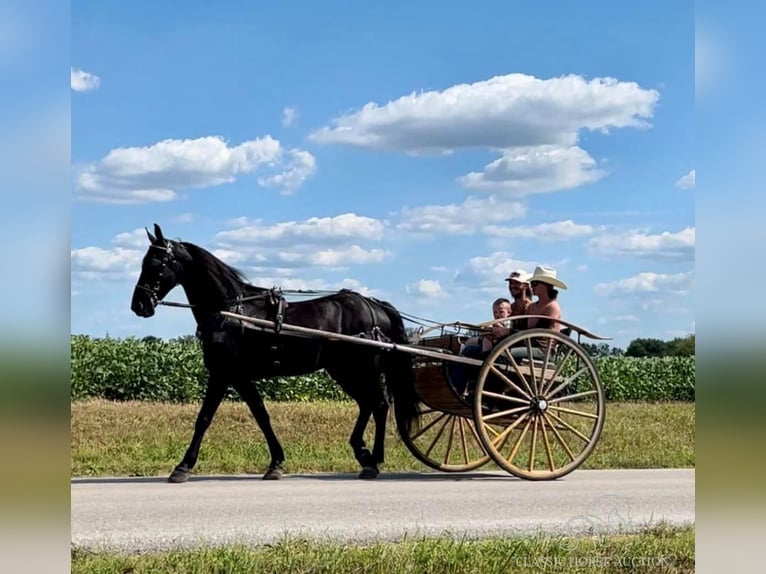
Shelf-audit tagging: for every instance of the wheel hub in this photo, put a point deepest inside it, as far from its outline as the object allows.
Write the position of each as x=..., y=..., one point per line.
x=539, y=405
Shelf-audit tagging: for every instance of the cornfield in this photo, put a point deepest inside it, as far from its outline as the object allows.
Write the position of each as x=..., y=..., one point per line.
x=173, y=371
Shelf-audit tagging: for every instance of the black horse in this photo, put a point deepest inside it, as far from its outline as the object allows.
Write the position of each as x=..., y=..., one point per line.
x=239, y=356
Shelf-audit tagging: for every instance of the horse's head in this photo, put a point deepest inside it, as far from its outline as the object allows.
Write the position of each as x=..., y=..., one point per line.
x=161, y=271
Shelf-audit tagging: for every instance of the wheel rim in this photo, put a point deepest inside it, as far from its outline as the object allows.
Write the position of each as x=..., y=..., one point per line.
x=539, y=420
x=445, y=442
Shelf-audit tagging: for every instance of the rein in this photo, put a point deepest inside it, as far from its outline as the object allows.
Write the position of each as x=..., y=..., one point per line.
x=243, y=299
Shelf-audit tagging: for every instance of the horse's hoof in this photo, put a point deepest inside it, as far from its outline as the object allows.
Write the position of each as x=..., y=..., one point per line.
x=178, y=476
x=273, y=474
x=369, y=472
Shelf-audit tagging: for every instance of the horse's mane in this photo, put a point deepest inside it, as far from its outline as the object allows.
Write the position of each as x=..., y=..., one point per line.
x=224, y=274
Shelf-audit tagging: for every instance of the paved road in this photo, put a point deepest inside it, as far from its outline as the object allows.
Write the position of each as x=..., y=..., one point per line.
x=139, y=514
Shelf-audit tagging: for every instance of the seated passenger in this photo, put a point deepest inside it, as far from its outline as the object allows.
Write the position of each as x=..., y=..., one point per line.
x=544, y=283
x=518, y=286
x=477, y=346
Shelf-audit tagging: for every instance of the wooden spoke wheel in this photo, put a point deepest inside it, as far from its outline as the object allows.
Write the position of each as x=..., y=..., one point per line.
x=445, y=441
x=539, y=406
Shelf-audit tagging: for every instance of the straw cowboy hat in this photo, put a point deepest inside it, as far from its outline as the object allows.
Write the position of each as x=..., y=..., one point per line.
x=519, y=275
x=547, y=275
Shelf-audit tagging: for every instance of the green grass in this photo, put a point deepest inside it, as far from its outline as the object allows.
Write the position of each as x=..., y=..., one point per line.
x=658, y=549
x=149, y=439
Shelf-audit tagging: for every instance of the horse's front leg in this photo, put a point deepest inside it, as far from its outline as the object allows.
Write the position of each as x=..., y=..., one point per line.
x=214, y=393
x=249, y=393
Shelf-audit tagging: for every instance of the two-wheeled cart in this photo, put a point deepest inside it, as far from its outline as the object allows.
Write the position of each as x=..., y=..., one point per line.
x=534, y=405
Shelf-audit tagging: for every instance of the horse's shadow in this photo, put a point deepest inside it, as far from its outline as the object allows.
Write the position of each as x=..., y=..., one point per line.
x=331, y=477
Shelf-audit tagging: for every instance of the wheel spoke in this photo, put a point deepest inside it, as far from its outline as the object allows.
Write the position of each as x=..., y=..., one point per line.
x=473, y=431
x=545, y=365
x=547, y=445
x=511, y=384
x=531, y=360
x=437, y=437
x=523, y=378
x=449, y=440
x=517, y=444
x=534, y=443
x=573, y=412
x=559, y=367
x=463, y=442
x=570, y=427
x=504, y=397
x=428, y=426
x=560, y=438
x=499, y=441
x=570, y=397
x=504, y=413
x=566, y=382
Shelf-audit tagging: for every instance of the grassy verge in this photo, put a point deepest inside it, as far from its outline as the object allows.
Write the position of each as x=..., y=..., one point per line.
x=659, y=549
x=149, y=439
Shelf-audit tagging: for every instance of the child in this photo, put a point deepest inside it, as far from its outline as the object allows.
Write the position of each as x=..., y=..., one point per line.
x=476, y=348
x=501, y=309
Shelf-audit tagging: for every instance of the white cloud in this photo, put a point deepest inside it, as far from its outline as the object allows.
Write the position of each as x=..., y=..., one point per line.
x=302, y=256
x=541, y=169
x=648, y=282
x=503, y=112
x=490, y=271
x=426, y=287
x=334, y=242
x=296, y=170
x=688, y=181
x=339, y=229
x=471, y=216
x=663, y=246
x=95, y=262
x=352, y=255
x=289, y=116
x=82, y=81
x=154, y=173
x=557, y=231
x=136, y=239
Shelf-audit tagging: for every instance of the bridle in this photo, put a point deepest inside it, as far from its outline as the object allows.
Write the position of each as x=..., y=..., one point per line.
x=166, y=258
x=274, y=296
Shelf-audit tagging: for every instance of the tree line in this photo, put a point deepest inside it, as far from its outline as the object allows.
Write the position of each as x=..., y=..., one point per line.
x=645, y=347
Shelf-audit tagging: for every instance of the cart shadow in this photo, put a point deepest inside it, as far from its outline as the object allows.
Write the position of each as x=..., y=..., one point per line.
x=330, y=477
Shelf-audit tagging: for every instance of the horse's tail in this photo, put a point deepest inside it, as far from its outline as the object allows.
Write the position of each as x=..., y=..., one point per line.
x=400, y=376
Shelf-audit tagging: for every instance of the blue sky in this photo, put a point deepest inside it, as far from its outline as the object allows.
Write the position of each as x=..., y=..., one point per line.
x=414, y=153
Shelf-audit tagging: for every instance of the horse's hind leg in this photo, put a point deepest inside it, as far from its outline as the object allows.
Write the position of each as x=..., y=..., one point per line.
x=213, y=397
x=249, y=393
